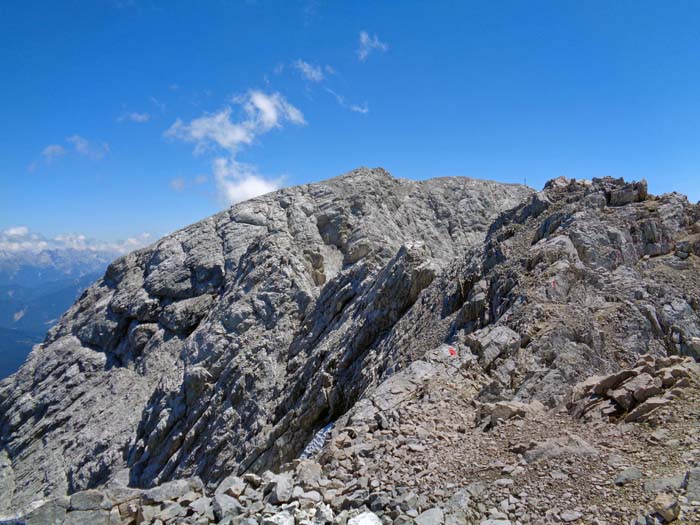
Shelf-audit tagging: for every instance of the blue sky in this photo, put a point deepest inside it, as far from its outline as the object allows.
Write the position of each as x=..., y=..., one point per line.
x=128, y=117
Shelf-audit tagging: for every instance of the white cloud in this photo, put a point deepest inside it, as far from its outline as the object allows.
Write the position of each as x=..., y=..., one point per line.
x=352, y=107
x=84, y=147
x=368, y=44
x=261, y=113
x=239, y=182
x=21, y=239
x=16, y=231
x=52, y=151
x=201, y=179
x=178, y=184
x=309, y=71
x=134, y=116
x=216, y=129
x=266, y=112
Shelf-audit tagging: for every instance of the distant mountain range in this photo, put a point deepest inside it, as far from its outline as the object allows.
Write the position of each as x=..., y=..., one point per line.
x=36, y=287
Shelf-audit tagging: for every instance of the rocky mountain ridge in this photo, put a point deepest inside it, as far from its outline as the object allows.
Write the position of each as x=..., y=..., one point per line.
x=397, y=313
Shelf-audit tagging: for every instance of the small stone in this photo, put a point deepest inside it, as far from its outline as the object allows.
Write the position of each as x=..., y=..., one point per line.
x=692, y=485
x=202, y=506
x=282, y=489
x=366, y=518
x=171, y=511
x=628, y=475
x=312, y=495
x=503, y=482
x=253, y=480
x=667, y=507
x=86, y=500
x=433, y=516
x=281, y=518
x=232, y=485
x=664, y=484
x=569, y=516
x=167, y=491
x=87, y=517
x=225, y=505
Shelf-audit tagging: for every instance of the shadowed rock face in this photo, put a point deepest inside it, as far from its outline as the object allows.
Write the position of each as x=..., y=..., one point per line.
x=225, y=345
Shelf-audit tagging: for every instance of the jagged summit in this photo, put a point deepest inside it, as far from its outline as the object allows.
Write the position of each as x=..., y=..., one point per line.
x=397, y=316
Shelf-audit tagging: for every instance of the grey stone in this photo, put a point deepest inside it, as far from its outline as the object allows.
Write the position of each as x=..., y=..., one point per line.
x=87, y=500
x=628, y=475
x=49, y=512
x=692, y=485
x=569, y=516
x=88, y=517
x=232, y=485
x=571, y=445
x=203, y=507
x=434, y=516
x=365, y=518
x=664, y=484
x=281, y=489
x=225, y=505
x=167, y=491
x=281, y=518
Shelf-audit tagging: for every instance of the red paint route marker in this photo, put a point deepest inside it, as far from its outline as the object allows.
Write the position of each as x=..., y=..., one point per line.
x=452, y=351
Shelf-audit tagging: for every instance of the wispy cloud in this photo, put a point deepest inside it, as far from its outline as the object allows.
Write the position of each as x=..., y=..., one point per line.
x=80, y=146
x=19, y=239
x=309, y=11
x=157, y=103
x=309, y=71
x=177, y=184
x=368, y=44
x=260, y=113
x=86, y=148
x=134, y=116
x=343, y=103
x=51, y=152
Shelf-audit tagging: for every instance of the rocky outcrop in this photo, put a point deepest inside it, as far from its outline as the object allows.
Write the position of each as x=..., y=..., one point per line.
x=225, y=346
x=634, y=394
x=432, y=343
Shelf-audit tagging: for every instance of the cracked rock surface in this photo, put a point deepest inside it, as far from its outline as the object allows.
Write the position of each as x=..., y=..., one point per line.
x=225, y=345
x=470, y=352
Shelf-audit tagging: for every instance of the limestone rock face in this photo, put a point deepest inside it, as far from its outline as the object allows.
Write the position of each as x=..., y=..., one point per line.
x=416, y=343
x=223, y=347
